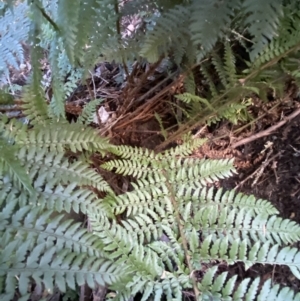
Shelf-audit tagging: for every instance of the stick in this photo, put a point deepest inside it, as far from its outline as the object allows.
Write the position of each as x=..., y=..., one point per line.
x=267, y=131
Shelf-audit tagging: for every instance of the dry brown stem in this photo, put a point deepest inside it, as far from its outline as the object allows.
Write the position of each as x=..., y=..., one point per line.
x=268, y=131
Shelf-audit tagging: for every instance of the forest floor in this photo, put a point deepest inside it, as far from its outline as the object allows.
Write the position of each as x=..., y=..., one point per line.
x=268, y=166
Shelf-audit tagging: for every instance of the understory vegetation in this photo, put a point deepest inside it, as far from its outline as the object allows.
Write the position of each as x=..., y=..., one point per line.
x=168, y=231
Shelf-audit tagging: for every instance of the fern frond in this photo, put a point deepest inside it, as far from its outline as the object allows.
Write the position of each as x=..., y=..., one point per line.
x=88, y=112
x=120, y=50
x=9, y=163
x=170, y=252
x=43, y=226
x=213, y=89
x=67, y=20
x=230, y=65
x=262, y=22
x=103, y=35
x=221, y=287
x=35, y=106
x=170, y=28
x=45, y=264
x=57, y=104
x=239, y=250
x=189, y=83
x=53, y=197
x=234, y=112
x=14, y=29
x=208, y=20
x=143, y=227
x=220, y=68
x=189, y=98
x=61, y=136
x=121, y=248
x=128, y=152
x=219, y=198
x=86, y=25
x=243, y=223
x=287, y=40
x=53, y=168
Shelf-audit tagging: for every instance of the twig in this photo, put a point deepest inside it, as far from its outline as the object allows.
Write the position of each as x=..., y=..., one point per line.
x=145, y=95
x=267, y=131
x=258, y=171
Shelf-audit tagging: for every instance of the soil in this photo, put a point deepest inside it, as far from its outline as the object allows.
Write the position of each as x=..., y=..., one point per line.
x=268, y=168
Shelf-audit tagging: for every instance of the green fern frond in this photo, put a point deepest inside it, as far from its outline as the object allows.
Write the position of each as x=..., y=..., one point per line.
x=178, y=171
x=142, y=227
x=67, y=20
x=88, y=112
x=34, y=106
x=169, y=250
x=152, y=194
x=189, y=98
x=46, y=166
x=170, y=28
x=53, y=197
x=103, y=36
x=234, y=112
x=189, y=83
x=262, y=21
x=52, y=268
x=12, y=34
x=162, y=129
x=120, y=248
x=212, y=87
x=126, y=152
x=287, y=40
x=244, y=223
x=57, y=104
x=239, y=250
x=222, y=287
x=86, y=25
x=230, y=199
x=188, y=146
x=61, y=136
x=120, y=50
x=220, y=68
x=9, y=163
x=208, y=20
x=43, y=226
x=230, y=65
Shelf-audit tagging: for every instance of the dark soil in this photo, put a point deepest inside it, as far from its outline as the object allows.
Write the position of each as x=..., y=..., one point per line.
x=278, y=182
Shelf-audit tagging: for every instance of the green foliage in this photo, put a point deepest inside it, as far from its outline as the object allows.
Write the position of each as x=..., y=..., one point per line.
x=171, y=223
x=155, y=247
x=77, y=33
x=88, y=113
x=12, y=33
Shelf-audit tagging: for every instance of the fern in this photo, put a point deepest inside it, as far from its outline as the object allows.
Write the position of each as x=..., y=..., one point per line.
x=10, y=164
x=67, y=21
x=221, y=287
x=35, y=106
x=88, y=113
x=172, y=25
x=207, y=26
x=129, y=256
x=61, y=136
x=14, y=29
x=263, y=28
x=154, y=238
x=247, y=229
